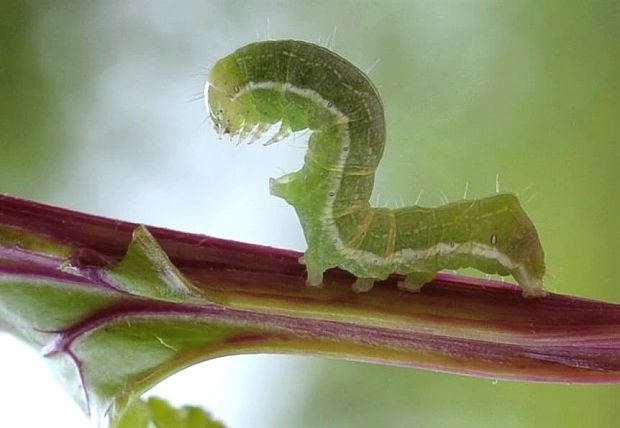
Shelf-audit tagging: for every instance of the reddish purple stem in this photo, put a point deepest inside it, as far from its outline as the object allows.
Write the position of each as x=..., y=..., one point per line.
x=467, y=320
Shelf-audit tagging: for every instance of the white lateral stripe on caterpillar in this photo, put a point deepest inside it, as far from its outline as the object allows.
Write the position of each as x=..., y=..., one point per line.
x=408, y=254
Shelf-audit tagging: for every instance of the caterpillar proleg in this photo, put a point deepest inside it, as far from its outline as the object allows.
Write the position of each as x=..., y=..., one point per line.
x=306, y=86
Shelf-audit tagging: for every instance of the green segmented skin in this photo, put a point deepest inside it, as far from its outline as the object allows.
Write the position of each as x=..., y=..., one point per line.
x=304, y=86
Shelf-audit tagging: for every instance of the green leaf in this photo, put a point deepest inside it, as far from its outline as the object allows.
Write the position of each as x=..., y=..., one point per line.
x=147, y=271
x=158, y=413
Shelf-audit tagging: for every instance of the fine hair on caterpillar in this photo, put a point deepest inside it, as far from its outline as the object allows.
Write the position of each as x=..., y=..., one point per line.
x=303, y=86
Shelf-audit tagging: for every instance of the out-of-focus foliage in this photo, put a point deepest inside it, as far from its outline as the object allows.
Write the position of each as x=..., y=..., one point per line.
x=94, y=116
x=157, y=413
x=29, y=132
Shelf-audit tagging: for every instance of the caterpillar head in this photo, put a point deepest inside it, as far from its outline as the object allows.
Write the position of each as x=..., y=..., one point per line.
x=231, y=113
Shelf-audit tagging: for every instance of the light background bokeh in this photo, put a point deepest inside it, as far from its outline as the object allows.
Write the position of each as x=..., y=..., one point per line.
x=100, y=112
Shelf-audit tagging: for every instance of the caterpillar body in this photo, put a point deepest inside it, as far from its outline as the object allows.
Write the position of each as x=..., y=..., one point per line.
x=305, y=86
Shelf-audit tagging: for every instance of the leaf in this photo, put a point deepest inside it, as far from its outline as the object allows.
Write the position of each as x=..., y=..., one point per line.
x=107, y=344
x=157, y=413
x=116, y=307
x=147, y=271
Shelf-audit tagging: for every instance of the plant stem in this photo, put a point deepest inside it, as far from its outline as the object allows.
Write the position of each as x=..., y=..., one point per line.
x=456, y=324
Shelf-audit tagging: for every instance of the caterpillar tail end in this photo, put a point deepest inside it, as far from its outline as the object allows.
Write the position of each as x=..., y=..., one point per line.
x=531, y=286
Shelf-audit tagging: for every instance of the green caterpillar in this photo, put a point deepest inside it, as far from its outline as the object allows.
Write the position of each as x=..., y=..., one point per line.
x=305, y=86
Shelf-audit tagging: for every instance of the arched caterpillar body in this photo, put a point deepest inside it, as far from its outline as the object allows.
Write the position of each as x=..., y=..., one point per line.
x=305, y=86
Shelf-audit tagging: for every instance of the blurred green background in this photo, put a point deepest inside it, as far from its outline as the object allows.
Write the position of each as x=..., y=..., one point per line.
x=100, y=111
